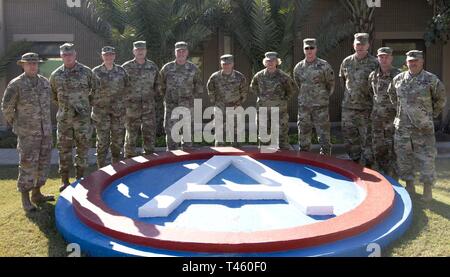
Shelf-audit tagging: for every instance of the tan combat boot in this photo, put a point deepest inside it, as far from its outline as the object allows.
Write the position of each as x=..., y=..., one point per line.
x=38, y=197
x=427, y=193
x=410, y=187
x=65, y=181
x=26, y=203
x=79, y=172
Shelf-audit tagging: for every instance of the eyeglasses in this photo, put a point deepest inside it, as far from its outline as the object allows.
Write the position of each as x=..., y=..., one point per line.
x=310, y=48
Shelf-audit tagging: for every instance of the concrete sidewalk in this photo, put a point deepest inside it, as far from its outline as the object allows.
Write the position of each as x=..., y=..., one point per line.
x=9, y=156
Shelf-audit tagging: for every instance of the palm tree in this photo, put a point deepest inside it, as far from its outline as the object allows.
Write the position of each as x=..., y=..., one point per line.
x=361, y=15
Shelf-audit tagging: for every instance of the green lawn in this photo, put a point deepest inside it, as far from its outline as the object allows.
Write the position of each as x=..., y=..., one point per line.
x=36, y=234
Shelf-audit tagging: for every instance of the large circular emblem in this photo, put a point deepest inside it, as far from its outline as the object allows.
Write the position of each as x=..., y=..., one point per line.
x=301, y=204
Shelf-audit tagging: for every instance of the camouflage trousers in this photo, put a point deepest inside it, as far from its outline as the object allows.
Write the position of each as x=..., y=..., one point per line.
x=283, y=124
x=169, y=124
x=416, y=151
x=34, y=161
x=383, y=144
x=356, y=130
x=147, y=125
x=76, y=131
x=110, y=133
x=318, y=118
x=229, y=136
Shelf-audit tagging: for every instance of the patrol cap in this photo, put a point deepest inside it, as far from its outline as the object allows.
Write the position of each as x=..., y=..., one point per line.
x=309, y=42
x=181, y=45
x=271, y=56
x=67, y=48
x=414, y=55
x=29, y=58
x=384, y=51
x=226, y=59
x=108, y=49
x=140, y=44
x=361, y=38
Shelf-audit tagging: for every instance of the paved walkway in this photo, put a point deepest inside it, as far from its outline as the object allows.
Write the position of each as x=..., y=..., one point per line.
x=9, y=156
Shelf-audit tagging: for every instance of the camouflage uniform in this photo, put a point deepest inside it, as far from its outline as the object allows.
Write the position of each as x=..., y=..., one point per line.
x=108, y=111
x=418, y=99
x=227, y=91
x=180, y=84
x=144, y=87
x=316, y=83
x=274, y=90
x=356, y=107
x=72, y=89
x=383, y=113
x=26, y=107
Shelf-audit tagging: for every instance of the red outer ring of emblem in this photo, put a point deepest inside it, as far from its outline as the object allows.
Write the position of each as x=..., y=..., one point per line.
x=374, y=208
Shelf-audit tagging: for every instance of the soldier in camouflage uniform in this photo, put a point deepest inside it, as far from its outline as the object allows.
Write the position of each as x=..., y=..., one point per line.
x=227, y=88
x=108, y=107
x=383, y=113
x=357, y=102
x=181, y=83
x=419, y=97
x=26, y=107
x=144, y=87
x=315, y=80
x=273, y=88
x=72, y=86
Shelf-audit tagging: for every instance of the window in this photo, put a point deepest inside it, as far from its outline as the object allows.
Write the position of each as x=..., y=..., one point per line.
x=400, y=47
x=49, y=52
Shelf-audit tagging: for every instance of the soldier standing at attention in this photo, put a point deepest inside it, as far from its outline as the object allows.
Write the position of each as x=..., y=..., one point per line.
x=140, y=101
x=315, y=80
x=108, y=107
x=419, y=97
x=273, y=87
x=357, y=102
x=383, y=113
x=181, y=83
x=227, y=88
x=26, y=107
x=72, y=86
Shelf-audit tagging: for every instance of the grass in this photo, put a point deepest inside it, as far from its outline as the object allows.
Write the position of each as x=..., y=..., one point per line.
x=36, y=234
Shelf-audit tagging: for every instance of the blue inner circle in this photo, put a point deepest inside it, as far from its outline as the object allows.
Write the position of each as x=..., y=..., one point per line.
x=127, y=194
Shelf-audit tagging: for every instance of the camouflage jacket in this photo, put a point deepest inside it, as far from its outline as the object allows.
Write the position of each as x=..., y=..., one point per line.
x=355, y=73
x=72, y=89
x=418, y=99
x=144, y=86
x=315, y=82
x=26, y=106
x=272, y=89
x=227, y=90
x=378, y=85
x=180, y=84
x=109, y=98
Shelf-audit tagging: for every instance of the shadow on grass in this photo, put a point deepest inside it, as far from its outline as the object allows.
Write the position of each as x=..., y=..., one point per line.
x=44, y=218
x=419, y=222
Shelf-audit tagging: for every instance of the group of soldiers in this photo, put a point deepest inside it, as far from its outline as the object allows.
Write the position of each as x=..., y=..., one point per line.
x=387, y=116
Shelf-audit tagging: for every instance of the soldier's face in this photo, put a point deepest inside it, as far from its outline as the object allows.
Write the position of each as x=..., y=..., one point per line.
x=140, y=53
x=361, y=48
x=31, y=69
x=385, y=60
x=271, y=64
x=415, y=66
x=227, y=67
x=181, y=54
x=310, y=52
x=108, y=57
x=69, y=58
